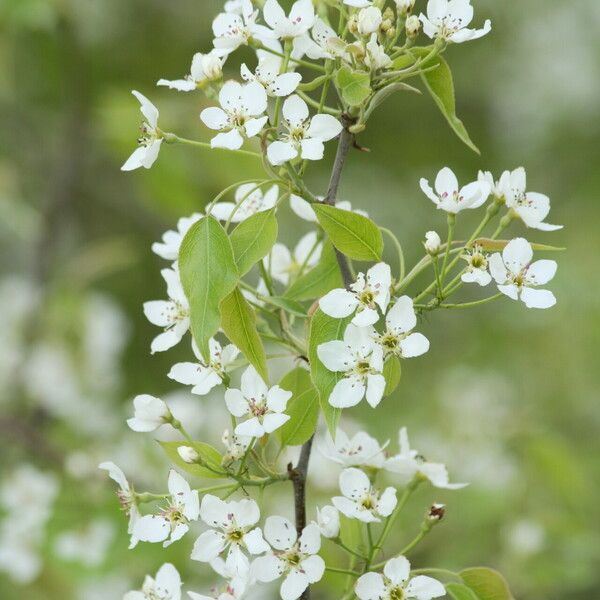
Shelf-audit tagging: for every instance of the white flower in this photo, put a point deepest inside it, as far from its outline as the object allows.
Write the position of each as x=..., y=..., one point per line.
x=267, y=74
x=518, y=278
x=238, y=581
x=361, y=361
x=205, y=375
x=249, y=200
x=299, y=21
x=239, y=116
x=358, y=3
x=303, y=137
x=205, y=67
x=369, y=20
x=448, y=20
x=296, y=560
x=262, y=405
x=477, y=267
x=397, y=338
x=409, y=464
x=432, y=242
x=404, y=6
x=323, y=42
x=281, y=263
x=171, y=240
x=412, y=26
x=172, y=314
x=188, y=454
x=87, y=546
x=150, y=140
x=375, y=57
x=126, y=495
x=359, y=451
x=396, y=582
x=328, y=522
x=449, y=197
x=360, y=500
x=304, y=210
x=236, y=446
x=150, y=414
x=363, y=298
x=234, y=531
x=172, y=523
x=166, y=586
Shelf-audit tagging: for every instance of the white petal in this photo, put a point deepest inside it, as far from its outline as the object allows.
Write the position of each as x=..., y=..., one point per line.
x=302, y=208
x=370, y=586
x=312, y=149
x=285, y=84
x=293, y=585
x=375, y=389
x=517, y=255
x=253, y=385
x=354, y=484
x=425, y=588
x=254, y=126
x=136, y=160
x=538, y=298
x=168, y=579
x=335, y=356
x=151, y=528
x=280, y=533
x=402, y=318
x=255, y=542
x=397, y=570
x=428, y=191
x=277, y=399
x=314, y=567
x=541, y=272
x=338, y=303
x=512, y=291
x=231, y=140
x=280, y=152
x=387, y=502
x=310, y=540
x=365, y=317
x=251, y=428
x=414, y=345
x=347, y=392
x=236, y=403
x=267, y=568
x=498, y=269
x=446, y=182
x=274, y=421
x=208, y=546
x=214, y=117
x=295, y=111
x=324, y=127
x=148, y=109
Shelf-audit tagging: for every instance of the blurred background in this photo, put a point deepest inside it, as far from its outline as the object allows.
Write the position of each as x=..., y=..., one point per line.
x=508, y=398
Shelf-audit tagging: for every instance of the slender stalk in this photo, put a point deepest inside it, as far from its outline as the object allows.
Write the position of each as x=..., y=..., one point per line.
x=342, y=571
x=172, y=138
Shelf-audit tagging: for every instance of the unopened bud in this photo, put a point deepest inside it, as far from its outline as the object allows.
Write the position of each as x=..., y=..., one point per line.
x=413, y=26
x=188, y=454
x=436, y=513
x=432, y=243
x=405, y=6
x=369, y=20
x=353, y=24
x=391, y=32
x=386, y=25
x=388, y=13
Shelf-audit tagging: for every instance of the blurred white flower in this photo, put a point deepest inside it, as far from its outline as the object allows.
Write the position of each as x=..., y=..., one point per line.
x=359, y=451
x=89, y=546
x=452, y=199
x=323, y=42
x=150, y=140
x=150, y=414
x=205, y=67
x=168, y=248
x=236, y=446
x=328, y=521
x=283, y=264
x=267, y=74
x=448, y=20
x=166, y=586
x=304, y=210
x=249, y=200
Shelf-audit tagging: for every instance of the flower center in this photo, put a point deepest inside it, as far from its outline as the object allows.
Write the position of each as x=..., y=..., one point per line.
x=257, y=407
x=397, y=593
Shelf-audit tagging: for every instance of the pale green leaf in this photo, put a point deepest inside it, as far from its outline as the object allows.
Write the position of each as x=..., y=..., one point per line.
x=392, y=371
x=253, y=239
x=355, y=86
x=458, y=591
x=487, y=584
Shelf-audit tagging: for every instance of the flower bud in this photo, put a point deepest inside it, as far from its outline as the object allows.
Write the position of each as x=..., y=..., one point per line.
x=328, y=521
x=413, y=26
x=353, y=24
x=188, y=454
x=432, y=242
x=388, y=13
x=386, y=25
x=436, y=513
x=405, y=6
x=369, y=20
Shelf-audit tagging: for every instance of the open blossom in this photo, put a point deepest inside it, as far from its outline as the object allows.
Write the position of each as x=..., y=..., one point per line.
x=267, y=74
x=150, y=139
x=172, y=314
x=449, y=197
x=296, y=560
x=299, y=21
x=237, y=581
x=168, y=248
x=409, y=464
x=172, y=523
x=362, y=501
x=369, y=20
x=205, y=375
x=236, y=446
x=205, y=67
x=322, y=42
x=166, y=586
x=518, y=278
x=263, y=406
x=240, y=115
x=234, y=531
x=396, y=582
x=363, y=298
x=449, y=19
x=360, y=360
x=304, y=137
x=375, y=56
x=283, y=264
x=126, y=495
x=361, y=450
x=477, y=267
x=249, y=200
x=150, y=413
x=328, y=521
x=305, y=211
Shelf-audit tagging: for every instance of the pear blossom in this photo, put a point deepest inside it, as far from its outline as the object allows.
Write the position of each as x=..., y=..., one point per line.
x=249, y=200
x=412, y=26
x=518, y=278
x=449, y=197
x=188, y=454
x=404, y=6
x=304, y=137
x=409, y=464
x=358, y=3
x=397, y=339
x=359, y=451
x=238, y=579
x=126, y=495
x=151, y=139
x=362, y=501
x=432, y=242
x=166, y=586
x=172, y=314
x=322, y=42
x=168, y=248
x=282, y=264
x=328, y=522
x=477, y=267
x=205, y=375
x=233, y=531
x=240, y=115
x=296, y=560
x=448, y=20
x=236, y=446
x=263, y=406
x=172, y=523
x=205, y=67
x=150, y=414
x=360, y=359
x=375, y=56
x=305, y=211
x=299, y=21
x=369, y=20
x=396, y=582
x=267, y=74
x=363, y=298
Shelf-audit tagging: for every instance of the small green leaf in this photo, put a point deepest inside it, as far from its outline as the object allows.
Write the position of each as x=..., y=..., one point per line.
x=303, y=408
x=324, y=328
x=353, y=234
x=293, y=307
x=253, y=239
x=206, y=452
x=458, y=591
x=208, y=274
x=355, y=86
x=239, y=324
x=392, y=371
x=487, y=584
x=317, y=282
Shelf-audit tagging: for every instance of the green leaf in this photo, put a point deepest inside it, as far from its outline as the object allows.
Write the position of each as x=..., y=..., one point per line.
x=392, y=371
x=239, y=324
x=487, y=584
x=206, y=452
x=208, y=274
x=293, y=307
x=440, y=84
x=355, y=86
x=317, y=282
x=253, y=239
x=303, y=408
x=458, y=591
x=353, y=234
x=324, y=328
